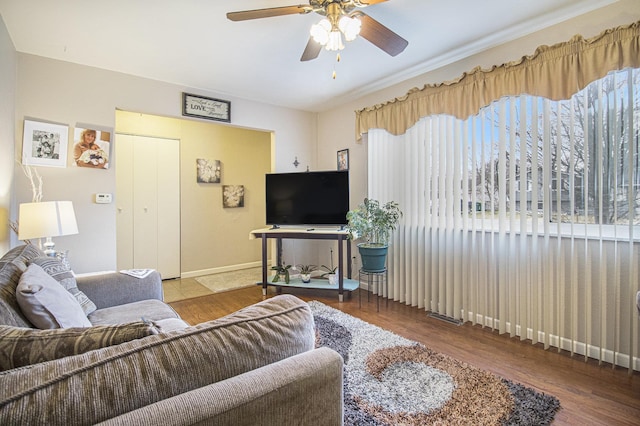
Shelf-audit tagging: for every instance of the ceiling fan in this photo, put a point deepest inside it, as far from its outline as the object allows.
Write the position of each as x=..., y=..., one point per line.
x=343, y=17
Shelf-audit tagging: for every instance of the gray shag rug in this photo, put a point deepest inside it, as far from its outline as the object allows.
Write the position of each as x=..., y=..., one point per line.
x=389, y=380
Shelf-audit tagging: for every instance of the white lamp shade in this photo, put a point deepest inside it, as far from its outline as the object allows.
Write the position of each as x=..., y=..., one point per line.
x=46, y=219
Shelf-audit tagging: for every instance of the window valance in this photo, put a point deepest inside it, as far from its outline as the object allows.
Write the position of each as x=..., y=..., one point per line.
x=555, y=72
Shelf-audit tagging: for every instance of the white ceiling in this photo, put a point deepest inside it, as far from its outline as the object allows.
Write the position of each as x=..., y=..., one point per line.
x=192, y=43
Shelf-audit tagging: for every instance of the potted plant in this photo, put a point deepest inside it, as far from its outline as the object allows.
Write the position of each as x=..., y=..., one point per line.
x=330, y=272
x=281, y=270
x=305, y=272
x=372, y=223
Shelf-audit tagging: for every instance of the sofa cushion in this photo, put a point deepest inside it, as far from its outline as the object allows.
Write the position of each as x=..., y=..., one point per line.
x=98, y=385
x=21, y=255
x=26, y=346
x=12, y=264
x=10, y=312
x=151, y=310
x=46, y=303
x=302, y=390
x=65, y=277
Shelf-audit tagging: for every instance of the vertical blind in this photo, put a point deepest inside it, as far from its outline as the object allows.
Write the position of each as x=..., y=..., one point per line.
x=524, y=217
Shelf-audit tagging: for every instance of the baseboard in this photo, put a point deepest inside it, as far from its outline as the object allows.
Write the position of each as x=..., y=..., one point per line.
x=229, y=268
x=579, y=348
x=444, y=318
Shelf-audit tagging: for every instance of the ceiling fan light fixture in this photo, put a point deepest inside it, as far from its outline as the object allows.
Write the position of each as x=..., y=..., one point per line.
x=326, y=35
x=350, y=27
x=335, y=41
x=320, y=31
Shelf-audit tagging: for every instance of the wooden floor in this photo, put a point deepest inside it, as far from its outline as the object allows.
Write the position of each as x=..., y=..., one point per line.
x=590, y=394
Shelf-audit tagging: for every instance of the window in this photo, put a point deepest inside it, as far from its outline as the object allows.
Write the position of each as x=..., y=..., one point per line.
x=524, y=217
x=570, y=161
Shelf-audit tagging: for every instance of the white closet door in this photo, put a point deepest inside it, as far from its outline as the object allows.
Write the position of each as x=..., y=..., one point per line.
x=124, y=201
x=145, y=203
x=168, y=198
x=149, y=218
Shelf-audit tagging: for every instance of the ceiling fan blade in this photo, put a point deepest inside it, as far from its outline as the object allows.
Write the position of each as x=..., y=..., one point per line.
x=364, y=3
x=311, y=51
x=267, y=13
x=380, y=35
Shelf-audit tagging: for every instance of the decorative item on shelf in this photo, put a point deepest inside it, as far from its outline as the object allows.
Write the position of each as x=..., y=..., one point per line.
x=331, y=272
x=305, y=272
x=46, y=219
x=372, y=223
x=281, y=271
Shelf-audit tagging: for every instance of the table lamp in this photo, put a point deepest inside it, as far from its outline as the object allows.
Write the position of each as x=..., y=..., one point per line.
x=46, y=219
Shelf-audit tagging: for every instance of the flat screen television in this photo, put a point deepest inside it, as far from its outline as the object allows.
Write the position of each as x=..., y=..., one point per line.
x=307, y=198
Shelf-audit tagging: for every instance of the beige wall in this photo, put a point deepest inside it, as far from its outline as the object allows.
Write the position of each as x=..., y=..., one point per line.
x=68, y=93
x=7, y=88
x=212, y=237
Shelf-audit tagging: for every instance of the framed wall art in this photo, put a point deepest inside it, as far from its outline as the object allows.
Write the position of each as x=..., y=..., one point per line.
x=91, y=147
x=44, y=144
x=232, y=196
x=208, y=171
x=343, y=159
x=203, y=107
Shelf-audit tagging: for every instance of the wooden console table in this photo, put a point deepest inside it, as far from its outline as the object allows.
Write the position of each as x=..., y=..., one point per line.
x=307, y=234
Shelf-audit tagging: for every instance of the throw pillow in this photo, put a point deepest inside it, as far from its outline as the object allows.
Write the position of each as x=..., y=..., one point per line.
x=64, y=276
x=25, y=346
x=46, y=303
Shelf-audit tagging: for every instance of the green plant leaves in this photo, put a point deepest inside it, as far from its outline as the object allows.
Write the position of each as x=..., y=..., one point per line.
x=373, y=222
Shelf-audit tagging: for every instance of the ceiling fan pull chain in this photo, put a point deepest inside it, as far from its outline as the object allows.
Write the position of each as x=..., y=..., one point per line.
x=334, y=68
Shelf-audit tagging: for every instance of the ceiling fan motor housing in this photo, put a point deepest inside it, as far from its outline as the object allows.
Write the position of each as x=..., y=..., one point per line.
x=335, y=7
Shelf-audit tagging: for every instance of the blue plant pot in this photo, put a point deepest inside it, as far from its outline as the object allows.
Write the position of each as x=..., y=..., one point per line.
x=374, y=259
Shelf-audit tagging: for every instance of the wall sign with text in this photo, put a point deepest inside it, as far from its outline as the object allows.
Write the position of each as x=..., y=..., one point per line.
x=209, y=108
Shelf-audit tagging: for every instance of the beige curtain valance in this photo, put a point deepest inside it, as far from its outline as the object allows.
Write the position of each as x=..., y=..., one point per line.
x=555, y=72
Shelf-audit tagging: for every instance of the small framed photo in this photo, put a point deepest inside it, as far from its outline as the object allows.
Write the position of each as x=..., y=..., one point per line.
x=232, y=196
x=343, y=159
x=209, y=108
x=91, y=147
x=45, y=144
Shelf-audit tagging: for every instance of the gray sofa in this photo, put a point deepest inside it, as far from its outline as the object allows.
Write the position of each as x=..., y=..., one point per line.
x=257, y=366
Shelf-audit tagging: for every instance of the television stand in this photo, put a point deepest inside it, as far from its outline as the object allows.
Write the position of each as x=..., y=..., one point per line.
x=307, y=234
